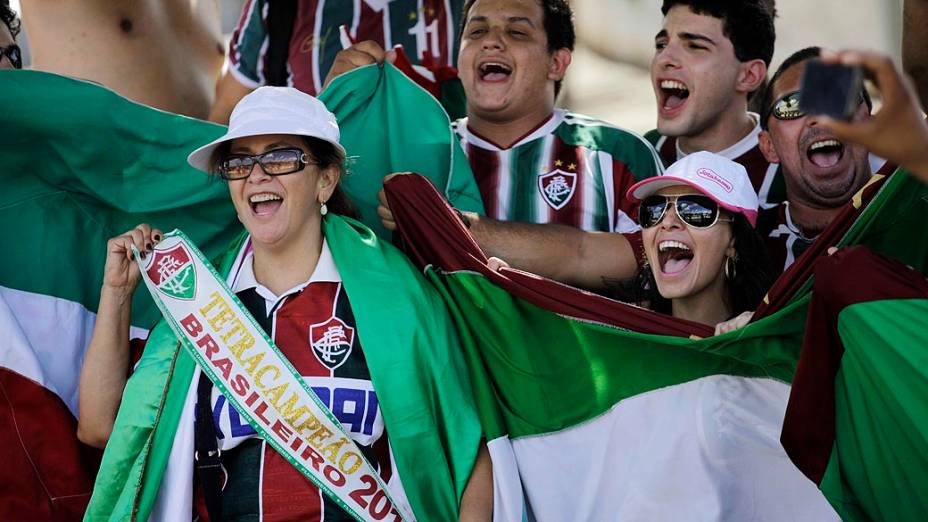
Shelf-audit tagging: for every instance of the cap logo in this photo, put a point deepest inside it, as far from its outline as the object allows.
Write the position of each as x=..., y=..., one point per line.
x=712, y=176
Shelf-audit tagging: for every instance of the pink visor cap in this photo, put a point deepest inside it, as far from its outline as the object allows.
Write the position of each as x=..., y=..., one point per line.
x=720, y=178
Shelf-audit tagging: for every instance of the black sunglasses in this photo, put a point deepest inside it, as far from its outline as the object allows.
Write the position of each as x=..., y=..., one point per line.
x=695, y=210
x=14, y=54
x=787, y=106
x=274, y=163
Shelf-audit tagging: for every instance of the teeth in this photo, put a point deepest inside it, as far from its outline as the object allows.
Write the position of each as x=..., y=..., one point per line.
x=258, y=198
x=827, y=143
x=487, y=65
x=673, y=84
x=664, y=245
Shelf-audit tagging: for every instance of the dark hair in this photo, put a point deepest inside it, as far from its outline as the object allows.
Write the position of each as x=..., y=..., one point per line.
x=325, y=155
x=796, y=58
x=753, y=274
x=9, y=18
x=558, y=24
x=767, y=99
x=747, y=23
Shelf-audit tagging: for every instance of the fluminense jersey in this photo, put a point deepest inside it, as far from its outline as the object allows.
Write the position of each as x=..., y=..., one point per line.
x=314, y=327
x=427, y=30
x=765, y=176
x=573, y=170
x=785, y=242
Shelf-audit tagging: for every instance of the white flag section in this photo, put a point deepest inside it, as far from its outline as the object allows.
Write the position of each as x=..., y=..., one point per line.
x=43, y=338
x=707, y=449
x=259, y=381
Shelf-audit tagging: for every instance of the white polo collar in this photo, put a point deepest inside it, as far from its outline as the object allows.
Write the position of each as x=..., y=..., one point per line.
x=544, y=128
x=325, y=271
x=740, y=148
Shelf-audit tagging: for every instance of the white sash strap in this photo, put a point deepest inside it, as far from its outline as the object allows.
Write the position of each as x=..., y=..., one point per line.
x=262, y=385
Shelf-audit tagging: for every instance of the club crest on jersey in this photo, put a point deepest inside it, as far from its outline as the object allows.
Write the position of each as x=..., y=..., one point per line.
x=331, y=342
x=557, y=187
x=173, y=273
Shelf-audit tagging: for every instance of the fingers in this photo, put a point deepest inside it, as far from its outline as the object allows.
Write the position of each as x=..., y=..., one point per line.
x=358, y=55
x=733, y=324
x=888, y=77
x=384, y=212
x=845, y=130
x=495, y=264
x=143, y=237
x=371, y=49
x=388, y=177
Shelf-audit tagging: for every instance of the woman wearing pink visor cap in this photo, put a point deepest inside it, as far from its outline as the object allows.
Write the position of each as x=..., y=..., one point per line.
x=704, y=261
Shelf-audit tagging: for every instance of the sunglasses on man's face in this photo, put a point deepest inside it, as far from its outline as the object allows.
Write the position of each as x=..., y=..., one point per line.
x=13, y=54
x=787, y=106
x=274, y=163
x=694, y=210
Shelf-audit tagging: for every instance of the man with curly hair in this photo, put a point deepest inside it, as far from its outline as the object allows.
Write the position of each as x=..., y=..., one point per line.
x=10, y=55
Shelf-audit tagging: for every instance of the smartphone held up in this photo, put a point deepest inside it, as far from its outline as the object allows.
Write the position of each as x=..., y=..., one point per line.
x=831, y=89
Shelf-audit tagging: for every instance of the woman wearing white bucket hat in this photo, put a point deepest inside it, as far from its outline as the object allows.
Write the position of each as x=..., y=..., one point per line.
x=705, y=262
x=383, y=363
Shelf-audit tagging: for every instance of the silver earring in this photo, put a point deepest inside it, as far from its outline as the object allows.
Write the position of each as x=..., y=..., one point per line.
x=323, y=209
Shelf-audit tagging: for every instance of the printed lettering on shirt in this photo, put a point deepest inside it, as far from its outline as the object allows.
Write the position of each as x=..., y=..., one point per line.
x=353, y=402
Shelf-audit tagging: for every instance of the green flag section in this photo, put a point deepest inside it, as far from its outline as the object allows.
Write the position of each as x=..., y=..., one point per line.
x=390, y=124
x=857, y=421
x=416, y=367
x=879, y=465
x=597, y=420
x=82, y=164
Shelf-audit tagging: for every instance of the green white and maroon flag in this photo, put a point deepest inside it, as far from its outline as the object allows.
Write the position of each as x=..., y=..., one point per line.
x=79, y=165
x=603, y=423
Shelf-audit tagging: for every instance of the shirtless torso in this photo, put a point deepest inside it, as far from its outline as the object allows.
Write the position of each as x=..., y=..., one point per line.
x=163, y=53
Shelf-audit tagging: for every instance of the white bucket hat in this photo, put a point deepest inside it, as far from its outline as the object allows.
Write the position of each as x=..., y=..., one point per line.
x=273, y=110
x=721, y=179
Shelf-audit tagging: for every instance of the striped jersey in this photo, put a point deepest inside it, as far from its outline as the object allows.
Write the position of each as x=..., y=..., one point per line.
x=765, y=176
x=314, y=327
x=785, y=241
x=427, y=30
x=573, y=170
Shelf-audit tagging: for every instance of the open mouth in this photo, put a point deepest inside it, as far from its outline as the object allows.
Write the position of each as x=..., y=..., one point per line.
x=674, y=94
x=265, y=203
x=674, y=256
x=494, y=72
x=825, y=153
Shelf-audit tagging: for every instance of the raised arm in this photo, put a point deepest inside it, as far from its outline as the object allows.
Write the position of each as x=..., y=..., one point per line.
x=477, y=500
x=558, y=252
x=106, y=362
x=228, y=93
